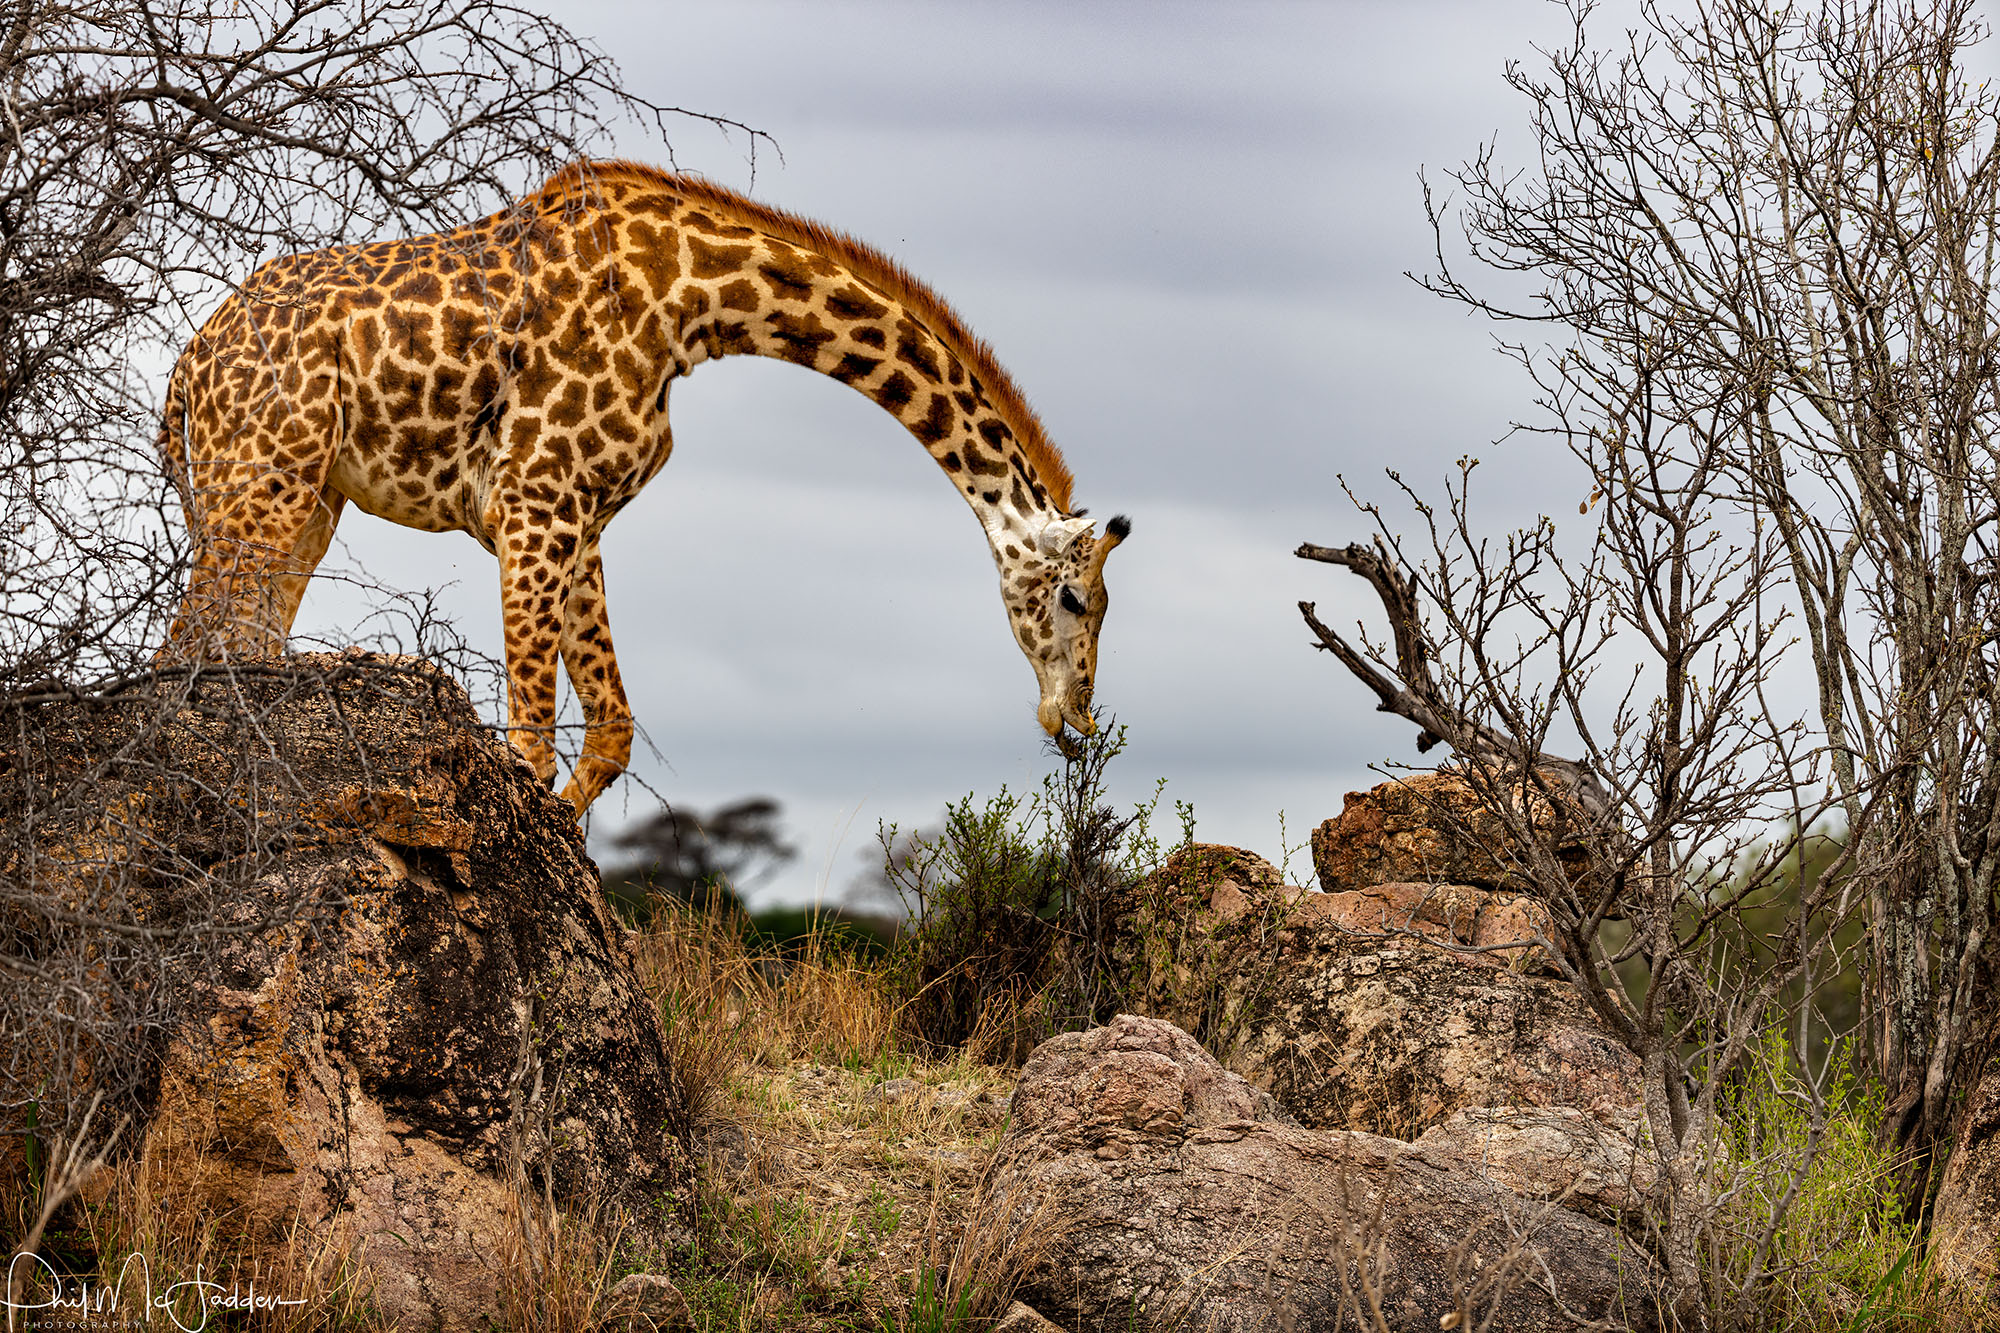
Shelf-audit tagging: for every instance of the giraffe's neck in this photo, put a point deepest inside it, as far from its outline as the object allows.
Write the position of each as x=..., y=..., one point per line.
x=732, y=277
x=798, y=307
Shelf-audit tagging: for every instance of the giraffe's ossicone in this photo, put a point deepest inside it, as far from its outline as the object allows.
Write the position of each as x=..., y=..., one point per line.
x=509, y=379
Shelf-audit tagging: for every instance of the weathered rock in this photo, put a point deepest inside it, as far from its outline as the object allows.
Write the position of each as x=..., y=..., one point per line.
x=1427, y=828
x=462, y=1009
x=646, y=1303
x=1188, y=1208
x=1347, y=1009
x=1484, y=927
x=1021, y=1318
x=1965, y=1231
x=1598, y=1163
x=1194, y=946
x=1478, y=926
x=1394, y=1040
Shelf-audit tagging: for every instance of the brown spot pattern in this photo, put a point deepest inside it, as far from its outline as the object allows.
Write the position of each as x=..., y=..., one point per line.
x=509, y=378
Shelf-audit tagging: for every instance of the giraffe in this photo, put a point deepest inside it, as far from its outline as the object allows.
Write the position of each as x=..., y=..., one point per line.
x=509, y=379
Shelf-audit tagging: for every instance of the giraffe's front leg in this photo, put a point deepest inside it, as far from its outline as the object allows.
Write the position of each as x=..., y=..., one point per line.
x=538, y=554
x=593, y=673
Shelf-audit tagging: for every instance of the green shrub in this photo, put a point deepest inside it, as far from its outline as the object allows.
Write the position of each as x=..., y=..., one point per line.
x=1839, y=1256
x=1014, y=907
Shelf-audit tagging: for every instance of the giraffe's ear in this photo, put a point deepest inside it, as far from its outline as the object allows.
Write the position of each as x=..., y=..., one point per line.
x=1060, y=532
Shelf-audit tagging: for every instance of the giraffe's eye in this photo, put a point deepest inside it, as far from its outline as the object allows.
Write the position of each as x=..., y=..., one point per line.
x=1071, y=602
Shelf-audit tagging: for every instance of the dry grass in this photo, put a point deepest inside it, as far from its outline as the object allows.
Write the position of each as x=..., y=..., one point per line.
x=721, y=1004
x=841, y=1188
x=150, y=1220
x=971, y=1270
x=556, y=1266
x=844, y=1184
x=844, y=1172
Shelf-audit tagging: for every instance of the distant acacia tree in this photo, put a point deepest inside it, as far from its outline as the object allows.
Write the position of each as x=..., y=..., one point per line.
x=1763, y=242
x=710, y=861
x=151, y=153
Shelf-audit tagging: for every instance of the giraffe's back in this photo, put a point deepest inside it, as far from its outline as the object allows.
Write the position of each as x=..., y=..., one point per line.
x=413, y=375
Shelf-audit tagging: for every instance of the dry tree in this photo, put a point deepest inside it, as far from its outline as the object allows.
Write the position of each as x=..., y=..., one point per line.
x=1761, y=316
x=1781, y=224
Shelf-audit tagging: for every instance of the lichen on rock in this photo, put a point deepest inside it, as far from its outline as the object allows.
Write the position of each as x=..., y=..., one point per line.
x=1386, y=1008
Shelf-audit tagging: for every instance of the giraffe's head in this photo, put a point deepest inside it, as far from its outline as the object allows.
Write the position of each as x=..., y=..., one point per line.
x=1057, y=605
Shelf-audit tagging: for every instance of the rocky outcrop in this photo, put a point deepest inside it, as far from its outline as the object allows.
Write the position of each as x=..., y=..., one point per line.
x=1394, y=1040
x=426, y=997
x=1199, y=944
x=1428, y=828
x=1965, y=1230
x=1385, y=1008
x=1185, y=1202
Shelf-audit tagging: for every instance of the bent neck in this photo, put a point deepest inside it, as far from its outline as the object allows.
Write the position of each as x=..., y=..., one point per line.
x=737, y=277
x=844, y=329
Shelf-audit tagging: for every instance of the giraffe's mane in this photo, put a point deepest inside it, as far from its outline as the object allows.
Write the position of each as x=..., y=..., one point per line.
x=872, y=267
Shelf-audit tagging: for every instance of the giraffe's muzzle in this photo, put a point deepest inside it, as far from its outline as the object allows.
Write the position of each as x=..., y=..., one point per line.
x=1073, y=713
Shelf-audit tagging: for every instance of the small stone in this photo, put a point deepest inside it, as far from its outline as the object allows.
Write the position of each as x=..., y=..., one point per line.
x=647, y=1301
x=1021, y=1318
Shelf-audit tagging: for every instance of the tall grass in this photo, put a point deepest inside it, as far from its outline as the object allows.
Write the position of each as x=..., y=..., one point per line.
x=556, y=1266
x=724, y=1002
x=154, y=1219
x=971, y=1267
x=765, y=1250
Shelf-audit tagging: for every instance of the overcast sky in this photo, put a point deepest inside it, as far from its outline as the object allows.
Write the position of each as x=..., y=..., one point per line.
x=1184, y=228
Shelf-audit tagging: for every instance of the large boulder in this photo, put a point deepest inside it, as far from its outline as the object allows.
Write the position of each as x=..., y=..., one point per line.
x=1395, y=1040
x=1385, y=1008
x=426, y=1004
x=1432, y=828
x=1965, y=1230
x=1599, y=1161
x=1175, y=1195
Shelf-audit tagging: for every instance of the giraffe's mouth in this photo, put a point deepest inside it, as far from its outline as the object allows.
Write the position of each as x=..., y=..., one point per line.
x=1059, y=718
x=1076, y=712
